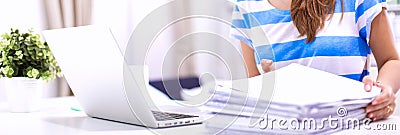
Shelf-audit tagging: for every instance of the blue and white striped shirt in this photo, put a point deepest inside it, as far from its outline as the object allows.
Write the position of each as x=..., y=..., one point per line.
x=341, y=47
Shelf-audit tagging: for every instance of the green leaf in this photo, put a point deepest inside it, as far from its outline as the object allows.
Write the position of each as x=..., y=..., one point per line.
x=41, y=46
x=7, y=70
x=33, y=73
x=18, y=53
x=5, y=36
x=12, y=42
x=30, y=48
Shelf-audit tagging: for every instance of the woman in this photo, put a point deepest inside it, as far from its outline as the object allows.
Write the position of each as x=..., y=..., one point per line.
x=334, y=36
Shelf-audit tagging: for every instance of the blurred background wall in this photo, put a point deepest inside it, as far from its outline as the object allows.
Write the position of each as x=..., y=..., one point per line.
x=122, y=16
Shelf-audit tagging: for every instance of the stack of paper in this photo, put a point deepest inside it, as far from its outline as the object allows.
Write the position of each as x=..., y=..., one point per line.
x=294, y=99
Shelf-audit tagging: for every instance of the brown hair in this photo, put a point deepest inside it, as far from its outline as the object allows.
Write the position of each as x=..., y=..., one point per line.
x=309, y=16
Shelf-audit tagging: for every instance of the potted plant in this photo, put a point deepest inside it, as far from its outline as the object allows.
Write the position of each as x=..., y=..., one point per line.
x=26, y=63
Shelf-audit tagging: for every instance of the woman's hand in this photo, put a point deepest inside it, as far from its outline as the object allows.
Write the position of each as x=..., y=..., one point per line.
x=383, y=105
x=267, y=65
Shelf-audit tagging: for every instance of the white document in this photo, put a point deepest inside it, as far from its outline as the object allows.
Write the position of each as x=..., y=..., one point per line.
x=297, y=92
x=301, y=86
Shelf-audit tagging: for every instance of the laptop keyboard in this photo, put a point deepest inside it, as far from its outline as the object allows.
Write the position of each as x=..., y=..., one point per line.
x=163, y=116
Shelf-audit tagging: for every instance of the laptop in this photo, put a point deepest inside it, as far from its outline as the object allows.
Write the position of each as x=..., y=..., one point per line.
x=104, y=85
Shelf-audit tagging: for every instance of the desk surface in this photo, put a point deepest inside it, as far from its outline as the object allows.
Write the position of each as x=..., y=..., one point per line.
x=57, y=117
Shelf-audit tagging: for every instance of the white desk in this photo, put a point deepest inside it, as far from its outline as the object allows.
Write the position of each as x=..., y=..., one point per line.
x=56, y=117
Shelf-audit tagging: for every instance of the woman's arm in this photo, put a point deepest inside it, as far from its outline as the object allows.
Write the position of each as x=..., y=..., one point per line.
x=384, y=50
x=249, y=60
x=387, y=59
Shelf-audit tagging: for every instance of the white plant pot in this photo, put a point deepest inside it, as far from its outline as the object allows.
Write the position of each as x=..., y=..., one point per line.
x=23, y=94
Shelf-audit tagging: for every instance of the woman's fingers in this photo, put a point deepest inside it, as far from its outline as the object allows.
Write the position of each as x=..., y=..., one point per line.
x=382, y=105
x=267, y=65
x=385, y=98
x=368, y=83
x=382, y=113
x=386, y=95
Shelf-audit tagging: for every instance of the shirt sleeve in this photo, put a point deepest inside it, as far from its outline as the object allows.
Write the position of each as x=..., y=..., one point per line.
x=366, y=11
x=240, y=26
